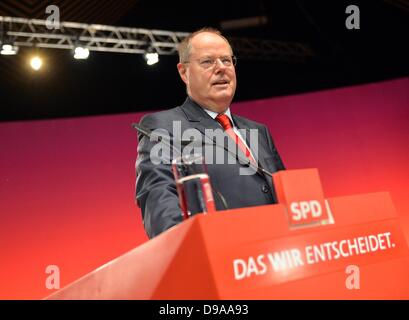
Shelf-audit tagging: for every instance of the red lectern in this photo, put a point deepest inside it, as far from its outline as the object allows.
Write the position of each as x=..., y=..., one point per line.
x=305, y=247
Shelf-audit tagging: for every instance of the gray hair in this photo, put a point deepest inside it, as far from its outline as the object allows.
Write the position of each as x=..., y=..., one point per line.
x=185, y=46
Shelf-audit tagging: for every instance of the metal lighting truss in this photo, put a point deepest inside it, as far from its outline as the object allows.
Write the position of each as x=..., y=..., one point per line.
x=34, y=32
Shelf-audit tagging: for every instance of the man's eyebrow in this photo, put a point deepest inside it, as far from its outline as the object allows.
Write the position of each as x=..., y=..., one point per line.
x=210, y=56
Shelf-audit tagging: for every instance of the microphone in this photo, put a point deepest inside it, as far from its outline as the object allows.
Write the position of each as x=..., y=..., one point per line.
x=246, y=162
x=149, y=134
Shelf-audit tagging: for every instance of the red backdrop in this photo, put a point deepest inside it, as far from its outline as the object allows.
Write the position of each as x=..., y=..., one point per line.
x=67, y=186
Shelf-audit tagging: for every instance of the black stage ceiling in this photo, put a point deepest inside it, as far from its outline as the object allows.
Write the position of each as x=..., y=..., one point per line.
x=109, y=83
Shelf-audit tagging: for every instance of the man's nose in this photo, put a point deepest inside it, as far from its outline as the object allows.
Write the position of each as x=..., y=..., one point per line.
x=219, y=65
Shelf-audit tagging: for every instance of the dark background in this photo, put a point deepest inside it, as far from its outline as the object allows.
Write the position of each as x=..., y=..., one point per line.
x=110, y=83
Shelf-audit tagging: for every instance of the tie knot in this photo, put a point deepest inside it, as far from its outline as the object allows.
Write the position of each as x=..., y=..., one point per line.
x=224, y=121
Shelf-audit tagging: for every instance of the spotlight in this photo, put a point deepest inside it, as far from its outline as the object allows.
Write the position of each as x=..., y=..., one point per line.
x=36, y=63
x=8, y=50
x=81, y=53
x=151, y=57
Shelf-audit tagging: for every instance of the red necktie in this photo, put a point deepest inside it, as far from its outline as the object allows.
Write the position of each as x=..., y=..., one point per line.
x=227, y=126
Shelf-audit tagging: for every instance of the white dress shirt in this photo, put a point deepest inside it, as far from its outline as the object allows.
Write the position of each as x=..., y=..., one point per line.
x=235, y=129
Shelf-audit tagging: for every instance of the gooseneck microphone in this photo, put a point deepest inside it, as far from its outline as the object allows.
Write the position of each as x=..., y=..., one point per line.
x=246, y=162
x=152, y=135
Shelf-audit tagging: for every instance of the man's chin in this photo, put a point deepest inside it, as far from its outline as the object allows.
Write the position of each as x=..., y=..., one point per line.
x=222, y=100
x=223, y=94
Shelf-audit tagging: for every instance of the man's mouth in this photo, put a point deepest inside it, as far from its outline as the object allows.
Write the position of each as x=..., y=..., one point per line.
x=220, y=83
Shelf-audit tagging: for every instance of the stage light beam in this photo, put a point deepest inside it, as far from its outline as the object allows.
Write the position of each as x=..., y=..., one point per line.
x=36, y=63
x=8, y=50
x=81, y=53
x=151, y=58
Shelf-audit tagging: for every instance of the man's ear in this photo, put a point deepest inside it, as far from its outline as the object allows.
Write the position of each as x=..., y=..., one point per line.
x=182, y=71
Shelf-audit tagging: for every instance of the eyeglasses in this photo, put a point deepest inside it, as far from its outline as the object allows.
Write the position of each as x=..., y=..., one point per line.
x=209, y=62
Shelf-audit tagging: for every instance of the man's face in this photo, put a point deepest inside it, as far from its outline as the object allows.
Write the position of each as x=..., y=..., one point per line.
x=212, y=86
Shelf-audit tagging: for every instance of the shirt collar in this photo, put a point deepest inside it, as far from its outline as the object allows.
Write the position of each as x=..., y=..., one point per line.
x=215, y=114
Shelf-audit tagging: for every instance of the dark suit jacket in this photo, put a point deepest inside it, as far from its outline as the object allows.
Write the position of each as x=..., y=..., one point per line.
x=156, y=192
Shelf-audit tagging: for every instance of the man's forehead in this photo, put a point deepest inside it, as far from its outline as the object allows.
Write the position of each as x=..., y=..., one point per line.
x=208, y=40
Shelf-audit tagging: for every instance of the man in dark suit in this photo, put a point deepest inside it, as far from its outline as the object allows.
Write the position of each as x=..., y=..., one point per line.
x=207, y=66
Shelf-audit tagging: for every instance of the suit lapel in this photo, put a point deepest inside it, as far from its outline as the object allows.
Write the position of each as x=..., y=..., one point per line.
x=262, y=152
x=201, y=121
x=198, y=118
